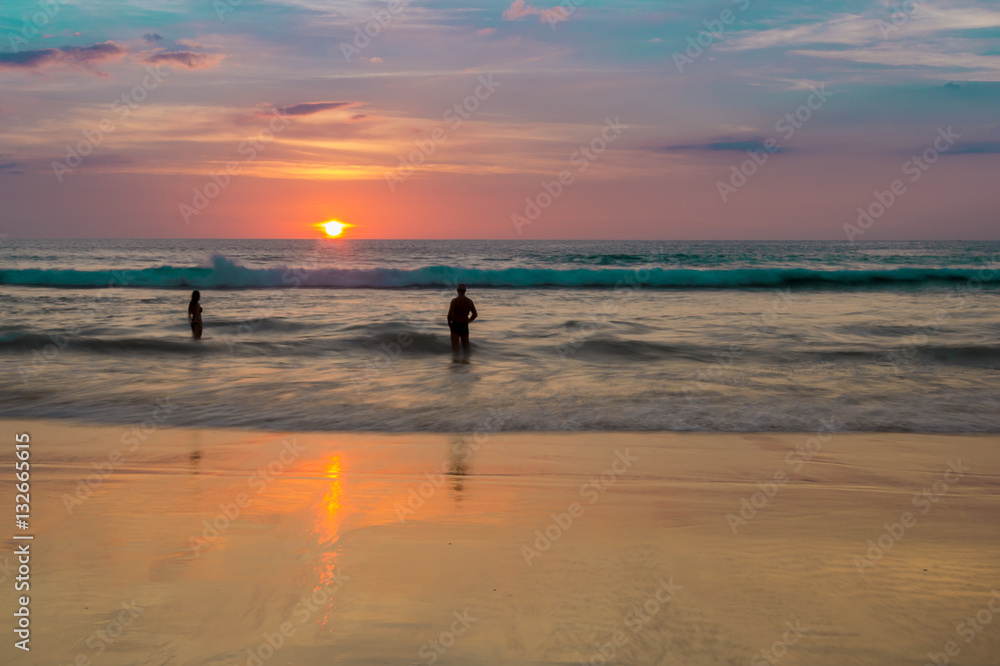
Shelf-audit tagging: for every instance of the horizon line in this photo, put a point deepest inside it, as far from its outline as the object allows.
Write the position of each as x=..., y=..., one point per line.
x=519, y=240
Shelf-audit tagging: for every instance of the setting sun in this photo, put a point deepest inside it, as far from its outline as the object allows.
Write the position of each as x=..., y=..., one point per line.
x=334, y=228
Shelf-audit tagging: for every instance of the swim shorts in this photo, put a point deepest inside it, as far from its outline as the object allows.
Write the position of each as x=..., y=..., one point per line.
x=459, y=329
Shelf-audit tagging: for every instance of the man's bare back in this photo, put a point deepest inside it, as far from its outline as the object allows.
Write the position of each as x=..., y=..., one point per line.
x=461, y=308
x=461, y=313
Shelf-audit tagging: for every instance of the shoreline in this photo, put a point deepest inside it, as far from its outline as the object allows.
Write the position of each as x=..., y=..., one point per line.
x=72, y=421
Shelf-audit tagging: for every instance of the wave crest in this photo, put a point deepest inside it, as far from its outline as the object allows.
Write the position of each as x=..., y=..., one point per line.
x=224, y=273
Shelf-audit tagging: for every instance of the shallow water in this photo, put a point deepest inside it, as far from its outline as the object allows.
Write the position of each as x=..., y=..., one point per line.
x=656, y=336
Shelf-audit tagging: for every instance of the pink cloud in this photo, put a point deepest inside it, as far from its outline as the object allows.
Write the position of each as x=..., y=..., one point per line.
x=518, y=9
x=196, y=45
x=486, y=32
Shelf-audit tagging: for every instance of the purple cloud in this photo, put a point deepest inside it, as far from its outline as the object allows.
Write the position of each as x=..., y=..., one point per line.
x=724, y=144
x=309, y=108
x=188, y=59
x=74, y=56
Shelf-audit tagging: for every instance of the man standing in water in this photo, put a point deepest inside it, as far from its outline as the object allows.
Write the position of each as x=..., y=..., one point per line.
x=461, y=313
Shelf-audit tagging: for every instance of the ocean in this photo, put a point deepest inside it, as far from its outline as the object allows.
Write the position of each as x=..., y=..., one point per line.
x=350, y=335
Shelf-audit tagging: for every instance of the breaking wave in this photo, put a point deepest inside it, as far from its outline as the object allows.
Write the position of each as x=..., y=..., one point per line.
x=224, y=273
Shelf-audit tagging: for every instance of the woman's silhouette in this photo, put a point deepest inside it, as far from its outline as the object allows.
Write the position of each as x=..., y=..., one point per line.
x=194, y=314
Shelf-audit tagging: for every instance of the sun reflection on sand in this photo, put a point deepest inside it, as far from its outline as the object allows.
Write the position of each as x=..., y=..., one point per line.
x=329, y=509
x=328, y=517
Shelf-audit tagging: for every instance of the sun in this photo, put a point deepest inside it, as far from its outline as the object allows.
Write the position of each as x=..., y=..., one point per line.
x=333, y=228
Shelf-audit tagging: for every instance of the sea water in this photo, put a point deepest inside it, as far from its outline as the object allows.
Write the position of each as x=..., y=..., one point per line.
x=346, y=334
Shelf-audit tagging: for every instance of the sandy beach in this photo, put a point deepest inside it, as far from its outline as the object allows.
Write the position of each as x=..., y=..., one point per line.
x=187, y=546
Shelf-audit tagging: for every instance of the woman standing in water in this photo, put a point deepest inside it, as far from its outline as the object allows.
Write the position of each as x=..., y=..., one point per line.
x=194, y=314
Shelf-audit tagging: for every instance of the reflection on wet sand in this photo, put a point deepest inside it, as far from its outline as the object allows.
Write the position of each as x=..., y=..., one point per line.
x=289, y=549
x=328, y=519
x=459, y=454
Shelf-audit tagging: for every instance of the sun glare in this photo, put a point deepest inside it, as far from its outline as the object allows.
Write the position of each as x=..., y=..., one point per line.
x=334, y=228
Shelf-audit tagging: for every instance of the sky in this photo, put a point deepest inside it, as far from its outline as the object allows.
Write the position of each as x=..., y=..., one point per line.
x=587, y=119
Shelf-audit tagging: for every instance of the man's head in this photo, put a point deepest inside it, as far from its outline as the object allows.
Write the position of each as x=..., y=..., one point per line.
x=461, y=289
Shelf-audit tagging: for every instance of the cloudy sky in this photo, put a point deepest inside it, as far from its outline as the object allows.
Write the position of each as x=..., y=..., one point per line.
x=443, y=119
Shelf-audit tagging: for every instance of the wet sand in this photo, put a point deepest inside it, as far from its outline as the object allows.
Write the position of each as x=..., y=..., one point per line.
x=226, y=546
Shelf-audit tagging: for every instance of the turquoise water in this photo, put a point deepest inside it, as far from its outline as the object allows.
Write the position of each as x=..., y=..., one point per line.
x=351, y=335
